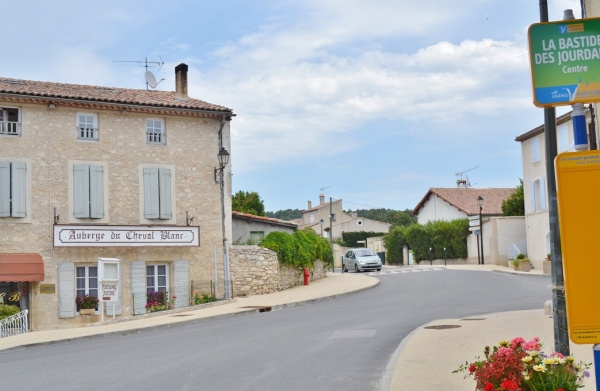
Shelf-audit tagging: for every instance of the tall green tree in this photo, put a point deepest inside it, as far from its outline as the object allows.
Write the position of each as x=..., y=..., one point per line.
x=248, y=202
x=515, y=204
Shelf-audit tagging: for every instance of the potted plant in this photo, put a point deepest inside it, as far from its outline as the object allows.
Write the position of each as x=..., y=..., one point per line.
x=547, y=265
x=87, y=304
x=521, y=263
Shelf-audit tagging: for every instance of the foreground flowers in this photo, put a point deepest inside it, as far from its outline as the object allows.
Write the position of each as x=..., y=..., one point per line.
x=519, y=365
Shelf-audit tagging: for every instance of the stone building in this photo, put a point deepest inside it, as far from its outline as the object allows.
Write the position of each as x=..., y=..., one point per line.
x=130, y=176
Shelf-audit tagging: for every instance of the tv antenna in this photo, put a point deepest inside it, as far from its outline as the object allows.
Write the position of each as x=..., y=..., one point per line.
x=323, y=189
x=464, y=182
x=149, y=76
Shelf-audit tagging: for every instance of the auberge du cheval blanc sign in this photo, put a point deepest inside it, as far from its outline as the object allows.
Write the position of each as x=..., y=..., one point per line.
x=565, y=62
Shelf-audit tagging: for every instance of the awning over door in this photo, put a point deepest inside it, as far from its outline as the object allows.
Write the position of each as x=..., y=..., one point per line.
x=21, y=267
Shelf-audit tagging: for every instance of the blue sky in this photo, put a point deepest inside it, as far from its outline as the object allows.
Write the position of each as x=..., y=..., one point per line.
x=374, y=100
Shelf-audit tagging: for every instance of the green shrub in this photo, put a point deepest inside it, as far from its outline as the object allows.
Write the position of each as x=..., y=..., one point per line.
x=300, y=249
x=8, y=310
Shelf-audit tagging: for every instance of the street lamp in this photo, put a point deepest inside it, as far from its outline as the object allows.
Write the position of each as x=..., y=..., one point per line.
x=430, y=257
x=480, y=203
x=223, y=157
x=321, y=224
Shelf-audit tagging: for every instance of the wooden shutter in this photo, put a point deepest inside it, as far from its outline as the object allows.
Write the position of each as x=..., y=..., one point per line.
x=4, y=189
x=19, y=190
x=151, y=194
x=165, y=193
x=138, y=287
x=96, y=192
x=81, y=191
x=181, y=273
x=66, y=290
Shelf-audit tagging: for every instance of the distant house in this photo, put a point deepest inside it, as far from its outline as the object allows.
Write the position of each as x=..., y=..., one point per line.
x=458, y=203
x=251, y=229
x=501, y=235
x=342, y=221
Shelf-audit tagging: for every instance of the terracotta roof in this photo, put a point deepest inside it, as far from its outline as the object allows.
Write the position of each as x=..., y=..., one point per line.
x=465, y=199
x=58, y=92
x=263, y=219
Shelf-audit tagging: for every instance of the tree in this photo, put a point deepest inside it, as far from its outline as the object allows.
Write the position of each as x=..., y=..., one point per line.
x=286, y=214
x=515, y=204
x=248, y=202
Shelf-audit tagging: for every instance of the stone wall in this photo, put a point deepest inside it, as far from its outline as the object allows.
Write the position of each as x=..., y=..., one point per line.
x=256, y=271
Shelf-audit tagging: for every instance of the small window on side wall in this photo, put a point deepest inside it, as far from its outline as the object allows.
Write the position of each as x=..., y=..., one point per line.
x=155, y=132
x=87, y=127
x=10, y=121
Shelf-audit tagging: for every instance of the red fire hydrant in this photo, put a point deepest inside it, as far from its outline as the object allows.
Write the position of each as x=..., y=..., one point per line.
x=306, y=275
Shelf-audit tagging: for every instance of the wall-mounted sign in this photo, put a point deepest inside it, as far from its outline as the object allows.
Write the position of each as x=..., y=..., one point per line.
x=125, y=236
x=565, y=62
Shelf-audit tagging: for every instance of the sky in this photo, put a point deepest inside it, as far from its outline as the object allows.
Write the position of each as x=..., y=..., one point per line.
x=370, y=101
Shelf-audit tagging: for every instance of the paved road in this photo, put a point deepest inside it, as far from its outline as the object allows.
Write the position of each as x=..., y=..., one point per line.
x=344, y=343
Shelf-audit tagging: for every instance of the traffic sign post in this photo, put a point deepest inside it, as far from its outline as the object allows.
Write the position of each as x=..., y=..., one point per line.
x=565, y=62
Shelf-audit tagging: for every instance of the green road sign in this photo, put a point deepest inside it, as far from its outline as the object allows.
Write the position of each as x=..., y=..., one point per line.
x=565, y=62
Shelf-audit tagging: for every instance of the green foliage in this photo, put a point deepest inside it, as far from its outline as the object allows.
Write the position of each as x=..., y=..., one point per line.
x=390, y=216
x=286, y=214
x=350, y=239
x=394, y=241
x=7, y=310
x=203, y=298
x=248, y=202
x=300, y=249
x=515, y=204
x=435, y=235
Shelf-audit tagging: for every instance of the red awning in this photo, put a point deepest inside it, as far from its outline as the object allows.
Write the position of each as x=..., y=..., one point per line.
x=21, y=267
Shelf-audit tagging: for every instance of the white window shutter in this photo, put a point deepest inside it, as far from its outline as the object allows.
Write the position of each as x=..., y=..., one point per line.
x=533, y=205
x=542, y=194
x=96, y=192
x=138, y=287
x=151, y=194
x=4, y=189
x=81, y=191
x=165, y=194
x=66, y=290
x=181, y=289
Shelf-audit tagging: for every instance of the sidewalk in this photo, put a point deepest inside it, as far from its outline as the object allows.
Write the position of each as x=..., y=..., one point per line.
x=424, y=360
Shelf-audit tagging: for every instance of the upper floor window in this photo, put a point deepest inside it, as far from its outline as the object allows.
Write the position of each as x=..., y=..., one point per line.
x=13, y=186
x=538, y=195
x=87, y=127
x=157, y=193
x=535, y=150
x=10, y=121
x=155, y=132
x=88, y=191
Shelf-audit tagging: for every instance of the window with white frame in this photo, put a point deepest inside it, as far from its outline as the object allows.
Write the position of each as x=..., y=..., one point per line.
x=86, y=280
x=87, y=127
x=155, y=132
x=257, y=236
x=13, y=188
x=157, y=278
x=157, y=193
x=88, y=191
x=10, y=121
x=563, y=138
x=538, y=195
x=535, y=150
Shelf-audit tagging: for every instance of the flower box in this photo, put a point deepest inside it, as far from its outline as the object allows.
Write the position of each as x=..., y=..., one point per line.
x=523, y=266
x=547, y=267
x=87, y=311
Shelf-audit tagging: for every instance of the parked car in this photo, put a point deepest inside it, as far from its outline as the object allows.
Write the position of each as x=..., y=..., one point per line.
x=359, y=259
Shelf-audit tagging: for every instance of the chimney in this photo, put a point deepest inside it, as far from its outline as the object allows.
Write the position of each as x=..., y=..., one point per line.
x=309, y=204
x=181, y=81
x=321, y=199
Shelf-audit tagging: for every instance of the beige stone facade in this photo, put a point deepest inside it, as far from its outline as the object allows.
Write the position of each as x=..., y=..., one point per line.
x=49, y=146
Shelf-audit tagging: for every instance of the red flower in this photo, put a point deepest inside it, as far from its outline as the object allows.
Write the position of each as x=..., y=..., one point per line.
x=472, y=368
x=489, y=387
x=560, y=389
x=509, y=385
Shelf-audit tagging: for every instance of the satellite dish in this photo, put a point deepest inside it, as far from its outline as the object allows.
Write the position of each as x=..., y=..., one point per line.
x=151, y=80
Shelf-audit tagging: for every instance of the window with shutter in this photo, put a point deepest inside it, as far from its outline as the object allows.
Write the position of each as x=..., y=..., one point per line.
x=13, y=189
x=10, y=121
x=157, y=193
x=88, y=191
x=87, y=127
